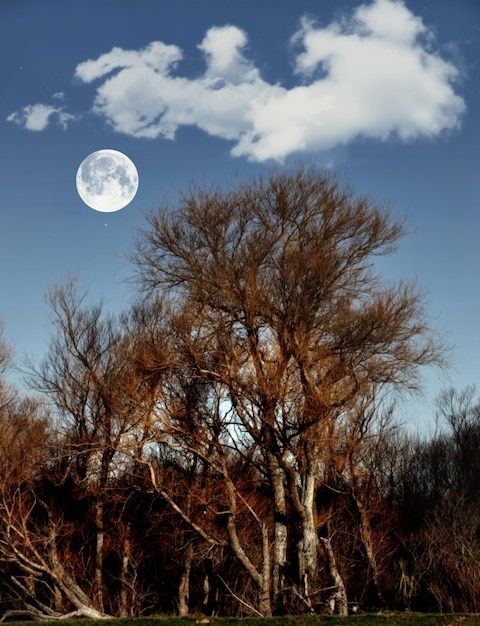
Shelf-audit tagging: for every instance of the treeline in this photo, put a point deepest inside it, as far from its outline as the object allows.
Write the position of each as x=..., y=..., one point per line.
x=228, y=445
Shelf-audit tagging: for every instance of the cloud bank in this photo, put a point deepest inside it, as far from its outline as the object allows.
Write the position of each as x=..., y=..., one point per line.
x=373, y=74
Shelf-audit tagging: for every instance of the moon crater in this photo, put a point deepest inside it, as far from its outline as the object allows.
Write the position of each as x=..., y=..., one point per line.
x=107, y=180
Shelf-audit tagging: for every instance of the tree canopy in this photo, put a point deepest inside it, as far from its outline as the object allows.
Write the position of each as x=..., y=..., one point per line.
x=228, y=444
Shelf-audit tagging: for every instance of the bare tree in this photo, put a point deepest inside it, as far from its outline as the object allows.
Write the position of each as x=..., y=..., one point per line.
x=279, y=273
x=98, y=408
x=189, y=416
x=239, y=403
x=31, y=532
x=447, y=546
x=6, y=355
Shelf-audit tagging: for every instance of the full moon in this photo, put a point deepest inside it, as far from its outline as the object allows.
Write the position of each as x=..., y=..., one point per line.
x=107, y=180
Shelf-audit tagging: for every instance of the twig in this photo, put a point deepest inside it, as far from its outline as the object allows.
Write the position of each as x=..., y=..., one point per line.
x=240, y=599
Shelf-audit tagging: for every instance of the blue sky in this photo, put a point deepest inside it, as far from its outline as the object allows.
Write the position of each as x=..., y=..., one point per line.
x=385, y=93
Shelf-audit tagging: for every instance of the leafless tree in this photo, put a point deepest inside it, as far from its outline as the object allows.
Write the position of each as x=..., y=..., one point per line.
x=6, y=356
x=98, y=409
x=230, y=436
x=30, y=531
x=191, y=416
x=279, y=274
x=448, y=545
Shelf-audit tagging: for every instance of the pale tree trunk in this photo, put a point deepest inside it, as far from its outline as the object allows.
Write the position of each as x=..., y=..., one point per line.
x=302, y=491
x=265, y=604
x=339, y=598
x=207, y=587
x=280, y=526
x=367, y=540
x=58, y=600
x=37, y=555
x=70, y=588
x=64, y=586
x=100, y=538
x=125, y=591
x=262, y=577
x=184, y=586
x=309, y=541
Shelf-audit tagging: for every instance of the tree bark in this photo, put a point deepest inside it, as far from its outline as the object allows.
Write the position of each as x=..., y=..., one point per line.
x=339, y=598
x=367, y=540
x=124, y=586
x=184, y=586
x=70, y=588
x=280, y=526
x=302, y=491
x=265, y=603
x=262, y=578
x=309, y=541
x=100, y=538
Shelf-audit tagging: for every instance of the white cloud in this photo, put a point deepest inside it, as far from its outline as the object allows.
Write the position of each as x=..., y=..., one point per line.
x=391, y=20
x=142, y=98
x=37, y=117
x=223, y=51
x=157, y=57
x=372, y=74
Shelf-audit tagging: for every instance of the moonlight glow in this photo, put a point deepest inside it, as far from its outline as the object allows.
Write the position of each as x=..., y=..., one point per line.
x=107, y=180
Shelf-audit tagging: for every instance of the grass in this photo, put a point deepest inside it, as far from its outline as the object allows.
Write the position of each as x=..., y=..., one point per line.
x=377, y=619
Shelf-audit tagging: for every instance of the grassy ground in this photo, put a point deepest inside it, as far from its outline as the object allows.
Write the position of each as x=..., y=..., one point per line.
x=378, y=619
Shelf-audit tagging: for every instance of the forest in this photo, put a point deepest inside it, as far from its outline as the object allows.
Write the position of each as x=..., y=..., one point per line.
x=229, y=444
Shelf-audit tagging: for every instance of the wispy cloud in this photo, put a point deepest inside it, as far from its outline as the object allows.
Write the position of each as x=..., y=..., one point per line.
x=375, y=73
x=38, y=116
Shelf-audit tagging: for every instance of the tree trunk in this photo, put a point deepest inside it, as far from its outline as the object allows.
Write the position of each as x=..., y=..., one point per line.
x=100, y=538
x=367, y=540
x=184, y=586
x=209, y=588
x=262, y=578
x=265, y=602
x=71, y=590
x=302, y=491
x=124, y=586
x=280, y=526
x=37, y=557
x=309, y=542
x=339, y=598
